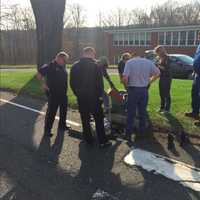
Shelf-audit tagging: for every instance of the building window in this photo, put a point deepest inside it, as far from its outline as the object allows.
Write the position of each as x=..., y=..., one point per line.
x=116, y=39
x=175, y=38
x=183, y=38
x=196, y=37
x=148, y=38
x=161, y=38
x=168, y=38
x=131, y=38
x=191, y=37
x=137, y=39
x=134, y=38
x=126, y=39
x=121, y=39
x=142, y=38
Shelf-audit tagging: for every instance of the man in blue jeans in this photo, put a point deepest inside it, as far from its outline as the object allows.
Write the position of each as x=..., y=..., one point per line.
x=196, y=87
x=138, y=74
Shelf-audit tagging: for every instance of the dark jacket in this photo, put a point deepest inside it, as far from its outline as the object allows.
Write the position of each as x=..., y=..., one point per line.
x=86, y=80
x=121, y=66
x=196, y=64
x=165, y=69
x=56, y=76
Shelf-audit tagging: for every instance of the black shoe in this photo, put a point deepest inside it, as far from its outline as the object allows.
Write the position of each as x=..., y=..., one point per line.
x=197, y=123
x=105, y=145
x=170, y=144
x=128, y=138
x=192, y=115
x=48, y=134
x=89, y=141
x=64, y=128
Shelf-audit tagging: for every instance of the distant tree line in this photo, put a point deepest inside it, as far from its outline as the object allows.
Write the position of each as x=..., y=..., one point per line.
x=170, y=13
x=18, y=42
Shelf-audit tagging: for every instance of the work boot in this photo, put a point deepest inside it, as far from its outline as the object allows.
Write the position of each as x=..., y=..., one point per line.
x=192, y=115
x=64, y=128
x=48, y=133
x=105, y=144
x=197, y=123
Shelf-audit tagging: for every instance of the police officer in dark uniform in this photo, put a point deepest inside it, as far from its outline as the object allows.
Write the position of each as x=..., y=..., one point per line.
x=86, y=81
x=165, y=79
x=54, y=79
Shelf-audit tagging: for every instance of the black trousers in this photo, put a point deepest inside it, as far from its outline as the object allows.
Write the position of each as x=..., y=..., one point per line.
x=94, y=108
x=55, y=102
x=164, y=89
x=196, y=96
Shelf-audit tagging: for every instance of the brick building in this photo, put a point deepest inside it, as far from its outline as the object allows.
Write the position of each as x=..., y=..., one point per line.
x=179, y=39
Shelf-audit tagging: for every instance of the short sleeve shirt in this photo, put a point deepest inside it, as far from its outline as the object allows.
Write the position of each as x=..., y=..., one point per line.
x=139, y=70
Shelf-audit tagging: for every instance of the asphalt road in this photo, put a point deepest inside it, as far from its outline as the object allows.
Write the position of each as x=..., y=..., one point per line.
x=35, y=168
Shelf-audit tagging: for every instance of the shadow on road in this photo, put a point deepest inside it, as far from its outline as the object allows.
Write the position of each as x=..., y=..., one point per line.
x=36, y=174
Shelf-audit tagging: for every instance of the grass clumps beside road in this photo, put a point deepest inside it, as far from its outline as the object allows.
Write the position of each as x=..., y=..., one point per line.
x=26, y=83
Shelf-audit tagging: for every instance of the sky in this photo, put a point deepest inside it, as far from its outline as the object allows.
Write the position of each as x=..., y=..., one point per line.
x=93, y=7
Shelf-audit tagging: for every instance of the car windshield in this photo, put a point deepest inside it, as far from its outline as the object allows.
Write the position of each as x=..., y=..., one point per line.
x=186, y=59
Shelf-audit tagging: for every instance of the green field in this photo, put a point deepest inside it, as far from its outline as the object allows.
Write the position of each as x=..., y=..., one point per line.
x=17, y=66
x=25, y=83
x=34, y=66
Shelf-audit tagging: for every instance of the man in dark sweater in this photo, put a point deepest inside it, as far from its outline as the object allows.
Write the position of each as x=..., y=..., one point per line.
x=165, y=79
x=87, y=84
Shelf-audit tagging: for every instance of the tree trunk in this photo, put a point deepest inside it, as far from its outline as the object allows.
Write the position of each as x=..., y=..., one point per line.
x=49, y=24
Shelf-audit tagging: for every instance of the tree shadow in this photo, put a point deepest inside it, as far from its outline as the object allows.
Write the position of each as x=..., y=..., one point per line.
x=95, y=170
x=149, y=142
x=18, y=123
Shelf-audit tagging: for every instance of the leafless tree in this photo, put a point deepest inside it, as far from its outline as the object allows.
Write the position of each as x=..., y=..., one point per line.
x=175, y=13
x=75, y=17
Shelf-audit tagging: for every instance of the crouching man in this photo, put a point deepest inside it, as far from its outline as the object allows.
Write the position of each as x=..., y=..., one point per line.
x=54, y=79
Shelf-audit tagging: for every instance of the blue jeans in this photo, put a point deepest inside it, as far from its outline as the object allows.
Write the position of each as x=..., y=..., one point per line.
x=196, y=95
x=137, y=100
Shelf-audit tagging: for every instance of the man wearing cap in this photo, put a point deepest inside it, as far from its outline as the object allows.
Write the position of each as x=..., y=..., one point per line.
x=54, y=81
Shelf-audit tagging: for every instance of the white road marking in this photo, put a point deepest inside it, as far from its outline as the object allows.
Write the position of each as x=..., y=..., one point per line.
x=36, y=111
x=184, y=174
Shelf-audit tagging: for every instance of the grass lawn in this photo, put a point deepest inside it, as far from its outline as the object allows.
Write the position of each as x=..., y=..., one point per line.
x=25, y=82
x=34, y=66
x=17, y=66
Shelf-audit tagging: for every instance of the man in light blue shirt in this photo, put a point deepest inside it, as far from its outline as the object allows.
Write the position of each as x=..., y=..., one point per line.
x=196, y=87
x=138, y=74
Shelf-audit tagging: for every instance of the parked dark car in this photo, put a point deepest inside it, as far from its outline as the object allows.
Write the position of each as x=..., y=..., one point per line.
x=181, y=65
